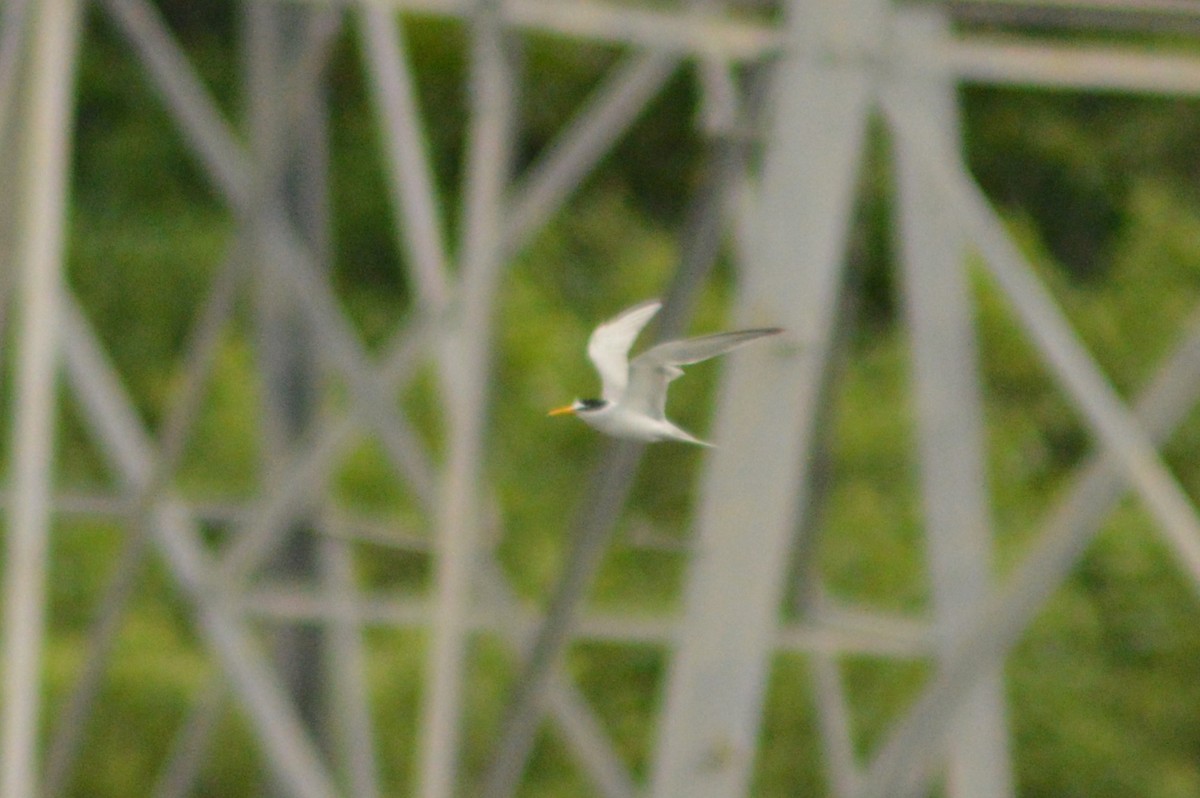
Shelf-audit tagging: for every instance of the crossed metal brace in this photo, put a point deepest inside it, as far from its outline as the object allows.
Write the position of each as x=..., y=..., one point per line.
x=1128, y=437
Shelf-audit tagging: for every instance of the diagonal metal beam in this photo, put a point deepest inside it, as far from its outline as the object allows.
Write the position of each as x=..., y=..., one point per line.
x=291, y=754
x=180, y=416
x=606, y=496
x=334, y=334
x=1066, y=531
x=201, y=123
x=293, y=483
x=608, y=112
x=579, y=726
x=192, y=741
x=1069, y=362
x=201, y=351
x=226, y=163
x=834, y=722
x=701, y=241
x=901, y=768
x=415, y=199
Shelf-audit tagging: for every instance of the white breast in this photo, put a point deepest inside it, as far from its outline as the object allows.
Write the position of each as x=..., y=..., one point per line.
x=620, y=423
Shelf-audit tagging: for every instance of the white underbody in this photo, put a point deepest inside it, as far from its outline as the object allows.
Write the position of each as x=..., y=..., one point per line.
x=620, y=422
x=634, y=392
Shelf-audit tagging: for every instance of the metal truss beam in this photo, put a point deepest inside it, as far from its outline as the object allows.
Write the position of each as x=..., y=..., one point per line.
x=969, y=57
x=730, y=628
x=591, y=133
x=13, y=17
x=70, y=728
x=1065, y=532
x=206, y=129
x=1168, y=16
x=284, y=740
x=991, y=60
x=903, y=766
x=291, y=754
x=44, y=142
x=708, y=730
x=1069, y=362
x=415, y=201
x=946, y=384
x=685, y=34
x=466, y=370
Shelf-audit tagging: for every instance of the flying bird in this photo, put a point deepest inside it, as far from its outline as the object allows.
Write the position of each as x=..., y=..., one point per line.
x=634, y=392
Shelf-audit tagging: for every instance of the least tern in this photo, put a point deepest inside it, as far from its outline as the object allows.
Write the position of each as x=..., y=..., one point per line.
x=634, y=392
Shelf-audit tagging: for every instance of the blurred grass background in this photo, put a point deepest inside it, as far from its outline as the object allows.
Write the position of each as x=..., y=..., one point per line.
x=1103, y=192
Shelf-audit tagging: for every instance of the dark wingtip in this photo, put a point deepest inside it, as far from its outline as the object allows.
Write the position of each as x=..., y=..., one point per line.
x=762, y=332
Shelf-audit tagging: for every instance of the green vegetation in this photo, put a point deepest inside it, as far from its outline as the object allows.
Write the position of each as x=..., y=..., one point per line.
x=1101, y=192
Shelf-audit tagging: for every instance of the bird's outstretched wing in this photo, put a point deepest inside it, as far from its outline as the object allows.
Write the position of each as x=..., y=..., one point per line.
x=652, y=371
x=609, y=346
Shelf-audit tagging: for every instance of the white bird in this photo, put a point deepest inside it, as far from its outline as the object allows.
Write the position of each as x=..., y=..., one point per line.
x=634, y=393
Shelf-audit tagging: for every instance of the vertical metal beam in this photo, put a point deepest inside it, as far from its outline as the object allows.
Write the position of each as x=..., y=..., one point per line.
x=293, y=187
x=901, y=766
x=1066, y=530
x=13, y=16
x=946, y=383
x=1052, y=335
x=349, y=713
x=9, y=171
x=750, y=502
x=465, y=369
x=44, y=144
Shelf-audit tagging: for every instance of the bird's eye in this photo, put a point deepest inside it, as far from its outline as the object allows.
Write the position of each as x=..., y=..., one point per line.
x=591, y=404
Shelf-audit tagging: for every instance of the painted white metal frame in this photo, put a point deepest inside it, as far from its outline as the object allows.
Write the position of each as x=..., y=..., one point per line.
x=828, y=81
x=947, y=387
x=44, y=144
